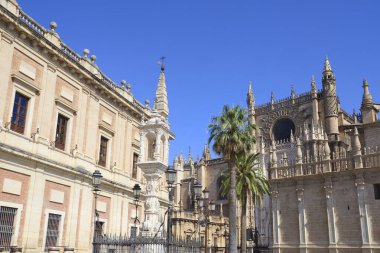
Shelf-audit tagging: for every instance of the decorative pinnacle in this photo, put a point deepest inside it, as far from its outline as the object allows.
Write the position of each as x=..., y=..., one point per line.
x=250, y=96
x=313, y=85
x=327, y=65
x=147, y=104
x=93, y=58
x=292, y=91
x=272, y=97
x=123, y=82
x=367, y=97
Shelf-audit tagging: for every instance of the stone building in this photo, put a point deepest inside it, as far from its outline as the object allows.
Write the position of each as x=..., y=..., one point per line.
x=324, y=169
x=62, y=118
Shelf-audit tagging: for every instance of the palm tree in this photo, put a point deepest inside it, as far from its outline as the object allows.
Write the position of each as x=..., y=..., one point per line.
x=250, y=181
x=232, y=134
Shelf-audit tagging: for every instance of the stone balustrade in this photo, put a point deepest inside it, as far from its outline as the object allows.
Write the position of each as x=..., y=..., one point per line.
x=369, y=158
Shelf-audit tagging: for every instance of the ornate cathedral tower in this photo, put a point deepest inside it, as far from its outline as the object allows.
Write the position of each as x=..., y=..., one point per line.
x=330, y=102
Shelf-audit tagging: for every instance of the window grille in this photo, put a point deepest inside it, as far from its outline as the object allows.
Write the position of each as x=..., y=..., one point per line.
x=52, y=232
x=103, y=151
x=134, y=167
x=60, y=135
x=7, y=220
x=20, y=108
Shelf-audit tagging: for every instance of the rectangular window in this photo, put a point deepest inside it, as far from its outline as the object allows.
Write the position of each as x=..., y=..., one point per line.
x=134, y=166
x=7, y=229
x=20, y=108
x=103, y=151
x=52, y=232
x=60, y=134
x=376, y=188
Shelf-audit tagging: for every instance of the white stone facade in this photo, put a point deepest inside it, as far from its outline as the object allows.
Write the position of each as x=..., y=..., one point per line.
x=104, y=130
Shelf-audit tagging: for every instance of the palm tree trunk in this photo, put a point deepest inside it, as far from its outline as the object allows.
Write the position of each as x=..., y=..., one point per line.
x=232, y=210
x=243, y=227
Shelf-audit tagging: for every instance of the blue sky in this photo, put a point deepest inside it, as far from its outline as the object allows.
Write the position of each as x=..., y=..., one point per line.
x=215, y=47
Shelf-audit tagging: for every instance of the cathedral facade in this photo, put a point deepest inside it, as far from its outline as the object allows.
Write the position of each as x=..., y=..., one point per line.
x=62, y=119
x=323, y=165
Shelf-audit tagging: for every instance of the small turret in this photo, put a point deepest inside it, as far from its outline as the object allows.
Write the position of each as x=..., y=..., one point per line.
x=206, y=153
x=369, y=112
x=330, y=102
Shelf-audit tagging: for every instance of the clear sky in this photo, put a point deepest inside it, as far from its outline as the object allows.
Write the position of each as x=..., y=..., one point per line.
x=214, y=47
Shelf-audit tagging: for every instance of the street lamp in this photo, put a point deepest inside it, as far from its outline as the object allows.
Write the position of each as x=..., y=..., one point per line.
x=136, y=194
x=206, y=208
x=170, y=180
x=96, y=182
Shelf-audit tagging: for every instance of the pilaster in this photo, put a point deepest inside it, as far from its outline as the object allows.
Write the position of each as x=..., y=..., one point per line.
x=275, y=218
x=330, y=215
x=363, y=214
x=301, y=216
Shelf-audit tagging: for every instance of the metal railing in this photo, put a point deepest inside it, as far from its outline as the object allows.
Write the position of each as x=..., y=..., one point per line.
x=124, y=244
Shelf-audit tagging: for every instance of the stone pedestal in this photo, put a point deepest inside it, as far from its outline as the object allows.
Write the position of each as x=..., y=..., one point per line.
x=153, y=171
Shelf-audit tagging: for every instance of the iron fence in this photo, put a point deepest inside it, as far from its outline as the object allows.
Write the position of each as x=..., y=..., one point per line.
x=124, y=244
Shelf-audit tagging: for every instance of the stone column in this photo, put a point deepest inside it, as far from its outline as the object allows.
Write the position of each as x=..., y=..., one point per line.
x=360, y=187
x=275, y=218
x=330, y=215
x=301, y=216
x=142, y=146
x=157, y=151
x=153, y=170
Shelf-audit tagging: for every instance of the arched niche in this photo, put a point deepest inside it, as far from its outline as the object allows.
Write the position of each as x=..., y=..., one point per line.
x=150, y=146
x=282, y=129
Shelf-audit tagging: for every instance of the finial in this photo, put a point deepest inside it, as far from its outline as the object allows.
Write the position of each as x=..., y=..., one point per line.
x=327, y=65
x=123, y=82
x=147, y=102
x=129, y=86
x=162, y=62
x=53, y=26
x=292, y=92
x=367, y=97
x=93, y=58
x=272, y=97
x=86, y=52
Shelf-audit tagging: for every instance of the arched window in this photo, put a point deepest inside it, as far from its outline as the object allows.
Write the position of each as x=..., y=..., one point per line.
x=219, y=184
x=282, y=129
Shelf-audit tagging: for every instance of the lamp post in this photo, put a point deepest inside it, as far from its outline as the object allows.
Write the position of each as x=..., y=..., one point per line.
x=96, y=182
x=206, y=207
x=136, y=194
x=170, y=180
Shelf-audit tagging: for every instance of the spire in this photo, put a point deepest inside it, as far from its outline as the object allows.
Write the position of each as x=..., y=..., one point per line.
x=161, y=99
x=367, y=97
x=313, y=86
x=327, y=65
x=250, y=96
x=251, y=104
x=272, y=99
x=206, y=152
x=292, y=92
